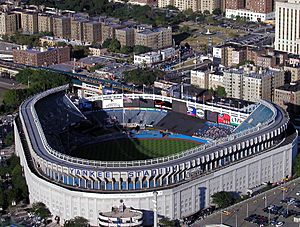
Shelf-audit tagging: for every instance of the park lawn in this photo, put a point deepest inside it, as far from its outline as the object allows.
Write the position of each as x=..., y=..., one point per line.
x=132, y=149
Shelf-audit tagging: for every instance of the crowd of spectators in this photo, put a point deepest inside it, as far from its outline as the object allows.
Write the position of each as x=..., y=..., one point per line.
x=214, y=131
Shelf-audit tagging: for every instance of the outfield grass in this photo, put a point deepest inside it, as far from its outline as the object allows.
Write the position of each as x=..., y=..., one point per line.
x=132, y=149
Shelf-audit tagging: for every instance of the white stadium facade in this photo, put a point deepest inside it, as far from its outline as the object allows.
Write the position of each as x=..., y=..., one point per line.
x=261, y=149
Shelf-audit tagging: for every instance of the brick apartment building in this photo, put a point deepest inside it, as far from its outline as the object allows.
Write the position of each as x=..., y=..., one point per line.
x=43, y=57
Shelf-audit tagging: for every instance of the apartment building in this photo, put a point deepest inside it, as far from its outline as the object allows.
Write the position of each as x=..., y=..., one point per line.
x=156, y=38
x=229, y=55
x=29, y=22
x=8, y=23
x=288, y=95
x=45, y=23
x=108, y=30
x=62, y=27
x=234, y=4
x=77, y=28
x=251, y=85
x=186, y=4
x=125, y=36
x=41, y=57
x=287, y=34
x=92, y=31
x=260, y=6
x=209, y=5
x=294, y=70
x=165, y=3
x=207, y=79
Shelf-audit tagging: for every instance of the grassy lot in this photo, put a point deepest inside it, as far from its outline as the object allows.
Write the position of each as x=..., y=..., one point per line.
x=198, y=40
x=132, y=149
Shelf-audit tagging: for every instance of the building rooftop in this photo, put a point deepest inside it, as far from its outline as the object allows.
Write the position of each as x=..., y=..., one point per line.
x=126, y=213
x=293, y=87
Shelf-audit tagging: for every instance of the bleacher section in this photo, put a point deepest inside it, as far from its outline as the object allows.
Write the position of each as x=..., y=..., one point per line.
x=56, y=112
x=260, y=115
x=180, y=123
x=142, y=117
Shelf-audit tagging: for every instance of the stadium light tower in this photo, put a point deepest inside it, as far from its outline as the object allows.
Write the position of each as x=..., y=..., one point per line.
x=155, y=208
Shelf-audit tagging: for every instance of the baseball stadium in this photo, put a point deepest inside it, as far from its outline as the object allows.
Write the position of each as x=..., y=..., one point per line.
x=83, y=155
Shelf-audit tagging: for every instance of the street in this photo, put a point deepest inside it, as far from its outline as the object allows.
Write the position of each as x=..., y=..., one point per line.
x=235, y=215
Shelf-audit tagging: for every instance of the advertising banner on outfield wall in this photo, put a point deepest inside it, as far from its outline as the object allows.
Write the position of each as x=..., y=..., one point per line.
x=224, y=119
x=191, y=111
x=112, y=103
x=200, y=113
x=235, y=121
x=163, y=104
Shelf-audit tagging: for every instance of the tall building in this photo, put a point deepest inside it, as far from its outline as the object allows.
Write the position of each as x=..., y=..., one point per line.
x=209, y=5
x=42, y=57
x=108, y=30
x=156, y=38
x=287, y=33
x=165, y=3
x=186, y=4
x=8, y=23
x=77, y=28
x=29, y=22
x=92, y=31
x=45, y=23
x=234, y=4
x=62, y=27
x=260, y=6
x=288, y=94
x=125, y=36
x=251, y=85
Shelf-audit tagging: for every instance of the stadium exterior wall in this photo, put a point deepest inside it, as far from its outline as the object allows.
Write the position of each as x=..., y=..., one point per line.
x=176, y=202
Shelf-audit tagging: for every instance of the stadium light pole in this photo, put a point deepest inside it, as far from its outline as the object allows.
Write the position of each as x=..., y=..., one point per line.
x=155, y=208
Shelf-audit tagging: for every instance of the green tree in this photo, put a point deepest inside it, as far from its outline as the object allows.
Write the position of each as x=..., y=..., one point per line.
x=77, y=222
x=223, y=199
x=142, y=76
x=126, y=49
x=41, y=210
x=217, y=11
x=9, y=139
x=79, y=52
x=296, y=166
x=106, y=43
x=168, y=223
x=114, y=46
x=139, y=49
x=220, y=91
x=184, y=28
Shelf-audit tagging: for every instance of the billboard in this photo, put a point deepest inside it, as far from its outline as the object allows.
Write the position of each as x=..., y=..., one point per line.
x=129, y=102
x=200, y=113
x=179, y=107
x=235, y=121
x=191, y=111
x=163, y=104
x=211, y=116
x=112, y=103
x=146, y=103
x=224, y=119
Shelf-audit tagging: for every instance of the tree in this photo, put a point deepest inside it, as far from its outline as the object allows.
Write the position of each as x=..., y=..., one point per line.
x=142, y=76
x=206, y=12
x=106, y=43
x=296, y=166
x=126, y=49
x=184, y=28
x=223, y=199
x=217, y=11
x=77, y=222
x=220, y=91
x=9, y=139
x=168, y=223
x=41, y=210
x=114, y=46
x=139, y=49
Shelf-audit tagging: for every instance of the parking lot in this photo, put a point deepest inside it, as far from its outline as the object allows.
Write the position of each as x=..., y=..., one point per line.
x=277, y=207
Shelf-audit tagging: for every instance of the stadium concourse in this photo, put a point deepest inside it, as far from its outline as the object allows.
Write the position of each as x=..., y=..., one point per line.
x=83, y=156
